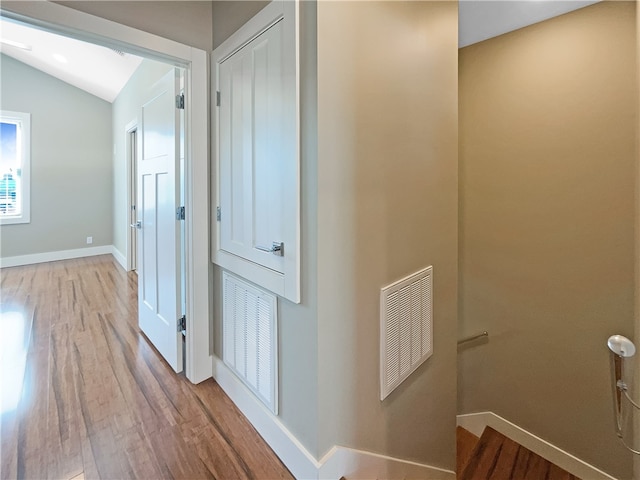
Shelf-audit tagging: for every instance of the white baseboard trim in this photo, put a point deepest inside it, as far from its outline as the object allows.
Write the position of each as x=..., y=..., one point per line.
x=19, y=260
x=286, y=446
x=339, y=461
x=361, y=465
x=120, y=258
x=476, y=423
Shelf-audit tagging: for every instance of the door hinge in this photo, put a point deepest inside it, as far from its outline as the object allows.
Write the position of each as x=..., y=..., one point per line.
x=217, y=99
x=180, y=101
x=218, y=214
x=180, y=213
x=182, y=324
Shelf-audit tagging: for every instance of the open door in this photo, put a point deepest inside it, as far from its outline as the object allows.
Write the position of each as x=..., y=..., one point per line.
x=159, y=306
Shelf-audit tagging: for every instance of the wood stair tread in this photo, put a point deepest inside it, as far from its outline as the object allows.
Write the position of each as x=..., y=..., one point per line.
x=465, y=443
x=496, y=457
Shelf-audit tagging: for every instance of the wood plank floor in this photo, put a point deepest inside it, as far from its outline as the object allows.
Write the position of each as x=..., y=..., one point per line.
x=496, y=457
x=83, y=392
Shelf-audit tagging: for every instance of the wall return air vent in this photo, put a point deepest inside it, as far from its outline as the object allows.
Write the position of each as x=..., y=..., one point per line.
x=406, y=328
x=250, y=337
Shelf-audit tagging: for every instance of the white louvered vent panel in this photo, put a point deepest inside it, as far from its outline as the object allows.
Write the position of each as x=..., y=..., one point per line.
x=250, y=346
x=249, y=323
x=427, y=313
x=239, y=327
x=416, y=322
x=264, y=350
x=228, y=335
x=406, y=328
x=392, y=336
x=404, y=317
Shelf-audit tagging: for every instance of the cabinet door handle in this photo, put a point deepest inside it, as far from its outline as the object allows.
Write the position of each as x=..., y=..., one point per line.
x=277, y=248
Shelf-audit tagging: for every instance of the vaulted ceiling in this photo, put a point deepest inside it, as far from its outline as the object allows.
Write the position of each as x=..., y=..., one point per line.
x=98, y=70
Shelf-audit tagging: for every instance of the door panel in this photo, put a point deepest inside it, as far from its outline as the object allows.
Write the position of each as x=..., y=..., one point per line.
x=147, y=275
x=159, y=242
x=251, y=149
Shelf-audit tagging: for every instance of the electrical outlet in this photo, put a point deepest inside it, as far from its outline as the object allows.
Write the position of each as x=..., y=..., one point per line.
x=89, y=240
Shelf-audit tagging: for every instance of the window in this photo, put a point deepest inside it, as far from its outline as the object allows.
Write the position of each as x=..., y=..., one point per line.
x=15, y=159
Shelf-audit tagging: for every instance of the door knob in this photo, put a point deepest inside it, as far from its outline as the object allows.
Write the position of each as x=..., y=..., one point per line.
x=277, y=248
x=137, y=225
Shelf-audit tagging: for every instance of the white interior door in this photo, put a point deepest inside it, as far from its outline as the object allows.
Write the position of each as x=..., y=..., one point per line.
x=159, y=237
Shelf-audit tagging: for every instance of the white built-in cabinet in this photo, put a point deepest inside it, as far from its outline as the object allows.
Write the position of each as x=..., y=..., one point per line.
x=256, y=224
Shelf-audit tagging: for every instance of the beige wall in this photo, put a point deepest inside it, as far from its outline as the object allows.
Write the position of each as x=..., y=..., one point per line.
x=547, y=172
x=387, y=207
x=185, y=21
x=71, y=179
x=230, y=15
x=636, y=436
x=357, y=168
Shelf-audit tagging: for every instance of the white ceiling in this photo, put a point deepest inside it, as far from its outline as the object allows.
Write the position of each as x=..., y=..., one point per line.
x=103, y=72
x=480, y=20
x=98, y=70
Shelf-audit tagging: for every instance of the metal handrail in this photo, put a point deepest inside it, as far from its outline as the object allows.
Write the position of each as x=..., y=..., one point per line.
x=621, y=348
x=473, y=337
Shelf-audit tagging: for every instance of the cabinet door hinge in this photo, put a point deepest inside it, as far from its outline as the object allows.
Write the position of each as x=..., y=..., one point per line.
x=182, y=324
x=218, y=214
x=180, y=213
x=180, y=101
x=217, y=99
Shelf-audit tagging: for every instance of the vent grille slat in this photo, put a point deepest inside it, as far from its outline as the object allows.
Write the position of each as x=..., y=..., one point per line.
x=249, y=324
x=405, y=331
x=393, y=341
x=416, y=323
x=406, y=328
x=263, y=348
x=427, y=313
x=251, y=344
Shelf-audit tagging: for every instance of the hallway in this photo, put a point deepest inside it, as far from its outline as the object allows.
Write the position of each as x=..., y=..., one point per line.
x=96, y=398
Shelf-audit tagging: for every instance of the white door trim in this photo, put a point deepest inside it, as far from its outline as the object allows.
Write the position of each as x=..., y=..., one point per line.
x=73, y=23
x=130, y=129
x=199, y=269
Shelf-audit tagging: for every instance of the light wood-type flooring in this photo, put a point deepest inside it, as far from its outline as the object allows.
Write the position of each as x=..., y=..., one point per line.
x=82, y=392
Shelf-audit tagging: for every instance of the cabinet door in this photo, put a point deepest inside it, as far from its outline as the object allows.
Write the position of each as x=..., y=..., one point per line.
x=252, y=150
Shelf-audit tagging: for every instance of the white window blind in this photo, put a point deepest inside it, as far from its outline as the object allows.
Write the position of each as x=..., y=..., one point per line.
x=15, y=166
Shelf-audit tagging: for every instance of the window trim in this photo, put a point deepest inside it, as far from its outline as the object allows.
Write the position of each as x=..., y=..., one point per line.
x=24, y=120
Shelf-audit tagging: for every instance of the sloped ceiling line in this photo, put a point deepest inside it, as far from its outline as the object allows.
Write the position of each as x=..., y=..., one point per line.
x=101, y=71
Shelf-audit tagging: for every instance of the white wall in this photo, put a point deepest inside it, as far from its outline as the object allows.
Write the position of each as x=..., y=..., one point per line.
x=71, y=179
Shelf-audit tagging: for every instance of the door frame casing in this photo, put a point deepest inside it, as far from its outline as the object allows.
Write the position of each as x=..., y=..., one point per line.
x=82, y=26
x=131, y=158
